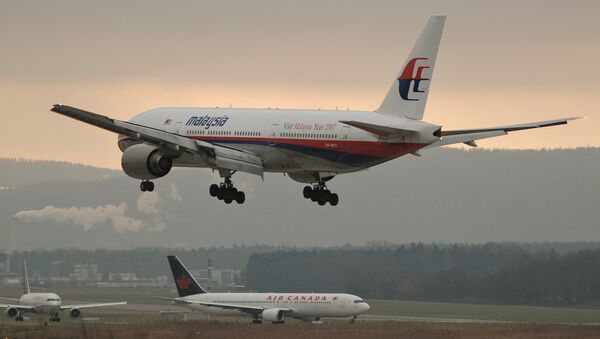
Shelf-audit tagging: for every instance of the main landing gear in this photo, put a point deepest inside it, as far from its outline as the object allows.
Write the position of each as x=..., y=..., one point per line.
x=226, y=192
x=147, y=185
x=320, y=194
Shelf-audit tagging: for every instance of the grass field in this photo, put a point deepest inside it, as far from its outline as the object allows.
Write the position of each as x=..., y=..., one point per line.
x=203, y=329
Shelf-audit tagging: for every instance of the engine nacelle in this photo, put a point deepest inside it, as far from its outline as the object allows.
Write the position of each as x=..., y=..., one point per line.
x=143, y=161
x=11, y=312
x=275, y=315
x=74, y=313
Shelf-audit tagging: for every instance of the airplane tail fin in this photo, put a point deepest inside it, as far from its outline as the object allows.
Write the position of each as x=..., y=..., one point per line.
x=184, y=280
x=25, y=278
x=408, y=94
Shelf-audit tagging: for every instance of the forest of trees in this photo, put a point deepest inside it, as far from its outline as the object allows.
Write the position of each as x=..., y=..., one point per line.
x=494, y=273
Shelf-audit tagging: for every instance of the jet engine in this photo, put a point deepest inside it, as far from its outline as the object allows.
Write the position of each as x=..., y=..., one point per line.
x=274, y=315
x=143, y=161
x=74, y=313
x=11, y=312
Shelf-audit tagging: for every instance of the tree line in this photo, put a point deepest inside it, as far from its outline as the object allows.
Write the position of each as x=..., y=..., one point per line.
x=494, y=273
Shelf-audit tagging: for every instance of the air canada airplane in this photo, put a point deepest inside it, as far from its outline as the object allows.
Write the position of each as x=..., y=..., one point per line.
x=273, y=307
x=44, y=303
x=310, y=146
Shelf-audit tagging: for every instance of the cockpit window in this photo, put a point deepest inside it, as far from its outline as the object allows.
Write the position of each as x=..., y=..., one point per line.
x=52, y=299
x=358, y=301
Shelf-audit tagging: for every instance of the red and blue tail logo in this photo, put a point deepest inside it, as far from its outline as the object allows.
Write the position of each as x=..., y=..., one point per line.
x=408, y=77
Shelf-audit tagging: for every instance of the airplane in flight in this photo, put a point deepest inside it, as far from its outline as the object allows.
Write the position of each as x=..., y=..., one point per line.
x=273, y=307
x=44, y=303
x=310, y=146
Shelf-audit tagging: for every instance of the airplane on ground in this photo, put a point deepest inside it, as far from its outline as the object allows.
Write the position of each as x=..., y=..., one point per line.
x=310, y=146
x=273, y=307
x=44, y=303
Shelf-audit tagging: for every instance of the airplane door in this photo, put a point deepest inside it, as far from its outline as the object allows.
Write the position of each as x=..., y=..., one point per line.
x=345, y=137
x=177, y=127
x=174, y=127
x=273, y=134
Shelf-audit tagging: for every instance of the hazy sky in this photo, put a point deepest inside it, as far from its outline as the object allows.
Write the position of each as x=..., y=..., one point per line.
x=500, y=62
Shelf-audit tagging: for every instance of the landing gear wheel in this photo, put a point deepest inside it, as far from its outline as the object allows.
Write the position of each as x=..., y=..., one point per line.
x=147, y=186
x=227, y=192
x=320, y=194
x=240, y=197
x=256, y=321
x=334, y=199
x=221, y=193
x=213, y=190
x=307, y=192
x=314, y=196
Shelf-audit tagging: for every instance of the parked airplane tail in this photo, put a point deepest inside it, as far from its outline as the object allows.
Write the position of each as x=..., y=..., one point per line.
x=25, y=278
x=184, y=280
x=408, y=94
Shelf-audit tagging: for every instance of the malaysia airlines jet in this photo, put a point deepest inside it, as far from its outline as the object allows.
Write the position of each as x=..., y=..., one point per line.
x=44, y=303
x=273, y=307
x=310, y=146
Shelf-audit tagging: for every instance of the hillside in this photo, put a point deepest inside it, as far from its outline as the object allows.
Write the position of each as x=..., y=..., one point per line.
x=448, y=195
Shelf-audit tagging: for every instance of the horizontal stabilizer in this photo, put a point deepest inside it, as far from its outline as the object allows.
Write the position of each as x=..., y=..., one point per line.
x=512, y=128
x=383, y=131
x=468, y=139
x=468, y=136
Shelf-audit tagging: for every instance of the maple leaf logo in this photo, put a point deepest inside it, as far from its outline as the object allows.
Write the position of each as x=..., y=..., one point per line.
x=184, y=281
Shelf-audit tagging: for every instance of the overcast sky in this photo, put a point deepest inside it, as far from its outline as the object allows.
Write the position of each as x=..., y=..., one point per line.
x=500, y=62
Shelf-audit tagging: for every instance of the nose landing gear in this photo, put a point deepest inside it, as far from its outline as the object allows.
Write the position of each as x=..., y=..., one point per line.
x=227, y=192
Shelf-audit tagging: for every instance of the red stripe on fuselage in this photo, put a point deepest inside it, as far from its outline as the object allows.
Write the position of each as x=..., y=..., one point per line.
x=369, y=148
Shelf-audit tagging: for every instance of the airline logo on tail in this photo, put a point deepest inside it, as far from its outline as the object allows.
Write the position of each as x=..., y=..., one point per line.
x=409, y=76
x=184, y=281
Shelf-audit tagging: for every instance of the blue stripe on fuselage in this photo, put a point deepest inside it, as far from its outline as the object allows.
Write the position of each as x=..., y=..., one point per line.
x=340, y=157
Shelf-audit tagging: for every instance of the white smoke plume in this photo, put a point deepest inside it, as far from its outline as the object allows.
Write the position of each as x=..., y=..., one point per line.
x=148, y=202
x=89, y=217
x=174, y=193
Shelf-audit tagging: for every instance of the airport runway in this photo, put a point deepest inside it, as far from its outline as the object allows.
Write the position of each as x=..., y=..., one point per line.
x=365, y=317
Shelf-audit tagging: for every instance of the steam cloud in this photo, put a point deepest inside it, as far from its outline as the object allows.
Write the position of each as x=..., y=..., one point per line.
x=174, y=193
x=114, y=215
x=87, y=217
x=148, y=203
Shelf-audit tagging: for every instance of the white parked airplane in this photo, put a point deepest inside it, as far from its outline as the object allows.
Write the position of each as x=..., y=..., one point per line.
x=311, y=146
x=273, y=307
x=44, y=303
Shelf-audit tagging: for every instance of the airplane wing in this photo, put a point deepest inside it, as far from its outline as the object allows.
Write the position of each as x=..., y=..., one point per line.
x=66, y=307
x=10, y=299
x=242, y=308
x=468, y=136
x=17, y=306
x=224, y=156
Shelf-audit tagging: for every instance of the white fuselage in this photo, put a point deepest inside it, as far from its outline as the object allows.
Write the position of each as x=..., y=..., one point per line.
x=304, y=305
x=43, y=303
x=290, y=140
